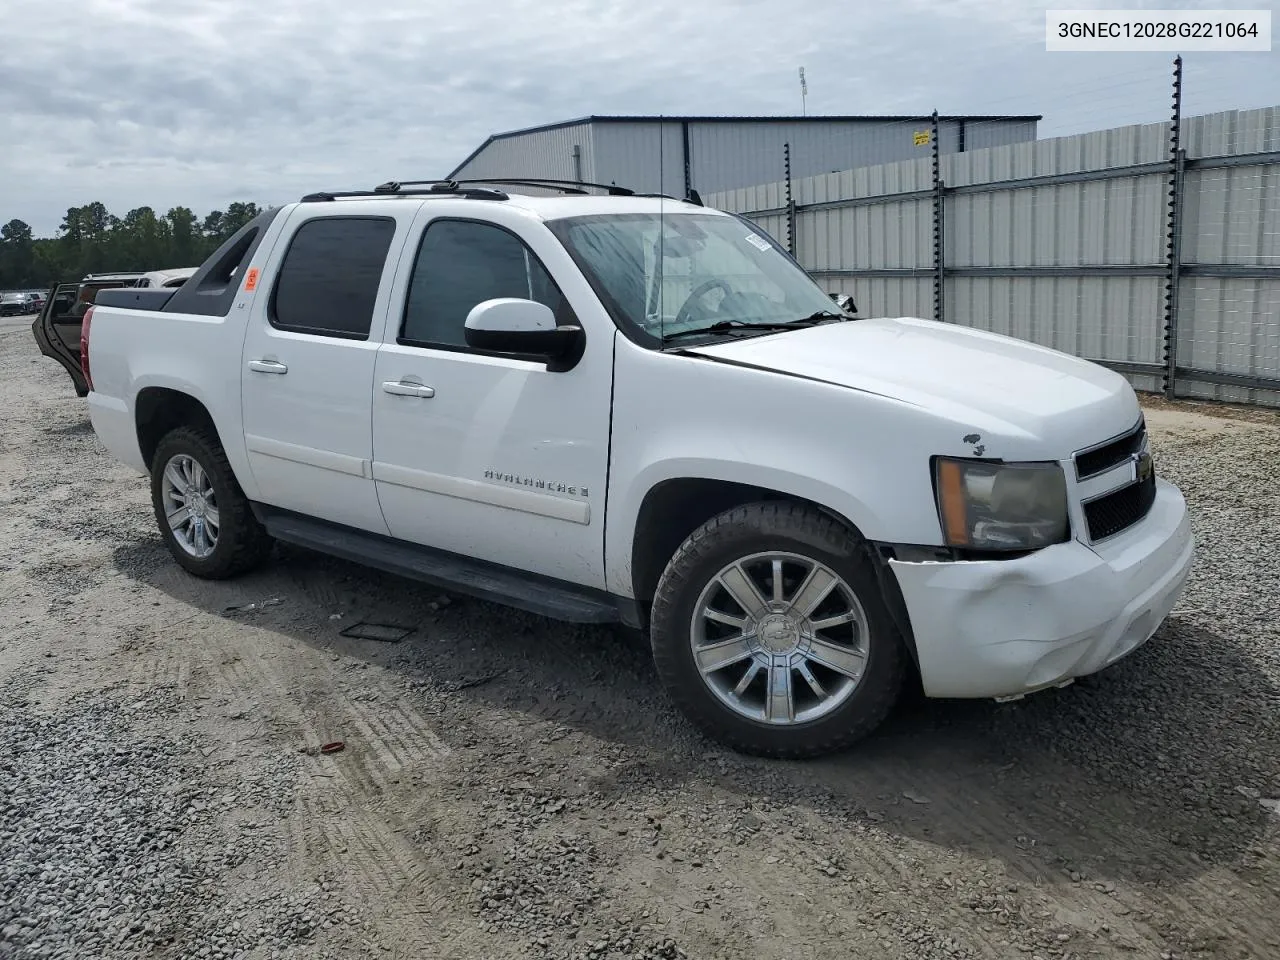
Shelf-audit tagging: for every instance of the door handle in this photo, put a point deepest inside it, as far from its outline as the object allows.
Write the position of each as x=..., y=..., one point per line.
x=402, y=389
x=267, y=366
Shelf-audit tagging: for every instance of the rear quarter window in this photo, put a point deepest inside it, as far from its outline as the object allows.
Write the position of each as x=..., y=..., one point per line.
x=329, y=278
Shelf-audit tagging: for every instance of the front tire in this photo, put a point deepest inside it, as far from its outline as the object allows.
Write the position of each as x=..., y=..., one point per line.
x=203, y=515
x=770, y=634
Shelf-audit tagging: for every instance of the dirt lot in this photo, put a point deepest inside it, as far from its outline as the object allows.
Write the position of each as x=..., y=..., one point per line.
x=512, y=787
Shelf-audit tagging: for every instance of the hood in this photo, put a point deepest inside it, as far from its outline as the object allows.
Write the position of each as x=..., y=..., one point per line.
x=983, y=380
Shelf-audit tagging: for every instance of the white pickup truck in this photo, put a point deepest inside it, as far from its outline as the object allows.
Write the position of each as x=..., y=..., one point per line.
x=616, y=408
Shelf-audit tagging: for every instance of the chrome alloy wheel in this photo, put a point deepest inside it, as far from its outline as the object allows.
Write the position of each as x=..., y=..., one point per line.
x=780, y=638
x=190, y=505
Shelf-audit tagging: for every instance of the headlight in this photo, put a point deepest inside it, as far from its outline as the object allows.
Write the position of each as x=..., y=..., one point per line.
x=1001, y=506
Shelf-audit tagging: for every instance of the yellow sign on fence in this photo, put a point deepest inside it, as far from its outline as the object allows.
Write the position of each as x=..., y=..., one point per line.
x=922, y=138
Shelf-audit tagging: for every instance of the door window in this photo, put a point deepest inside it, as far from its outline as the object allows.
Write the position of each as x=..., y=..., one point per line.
x=462, y=263
x=329, y=278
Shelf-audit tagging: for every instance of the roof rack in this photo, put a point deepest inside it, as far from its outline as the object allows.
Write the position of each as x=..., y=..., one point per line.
x=576, y=186
x=424, y=188
x=693, y=197
x=466, y=190
x=564, y=186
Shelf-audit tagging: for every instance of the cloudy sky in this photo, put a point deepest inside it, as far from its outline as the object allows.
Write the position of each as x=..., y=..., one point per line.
x=202, y=102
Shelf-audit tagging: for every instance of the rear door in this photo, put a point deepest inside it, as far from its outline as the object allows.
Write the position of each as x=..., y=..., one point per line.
x=309, y=351
x=57, y=332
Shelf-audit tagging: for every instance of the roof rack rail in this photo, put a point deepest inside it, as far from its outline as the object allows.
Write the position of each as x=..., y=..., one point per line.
x=693, y=197
x=436, y=188
x=564, y=186
x=575, y=186
x=464, y=188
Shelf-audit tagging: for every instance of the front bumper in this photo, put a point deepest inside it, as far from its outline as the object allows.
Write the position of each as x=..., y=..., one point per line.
x=1002, y=628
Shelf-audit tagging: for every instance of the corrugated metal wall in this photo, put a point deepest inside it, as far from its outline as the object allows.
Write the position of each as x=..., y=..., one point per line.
x=1113, y=222
x=896, y=237
x=628, y=153
x=543, y=153
x=729, y=155
x=724, y=154
x=1080, y=265
x=1231, y=217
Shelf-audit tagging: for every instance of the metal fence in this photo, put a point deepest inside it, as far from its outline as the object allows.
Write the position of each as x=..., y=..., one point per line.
x=1153, y=249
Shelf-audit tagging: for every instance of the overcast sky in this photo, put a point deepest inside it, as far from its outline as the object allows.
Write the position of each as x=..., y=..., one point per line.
x=202, y=102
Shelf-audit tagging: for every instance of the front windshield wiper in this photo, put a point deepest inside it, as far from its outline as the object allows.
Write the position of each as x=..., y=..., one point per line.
x=828, y=315
x=732, y=326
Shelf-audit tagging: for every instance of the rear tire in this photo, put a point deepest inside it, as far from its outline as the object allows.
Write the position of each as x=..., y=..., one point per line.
x=213, y=533
x=815, y=664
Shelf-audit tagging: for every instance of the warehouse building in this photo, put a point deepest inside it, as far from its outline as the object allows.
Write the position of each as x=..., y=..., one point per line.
x=710, y=154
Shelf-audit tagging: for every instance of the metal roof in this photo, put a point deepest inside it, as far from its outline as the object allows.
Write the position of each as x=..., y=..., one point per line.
x=788, y=118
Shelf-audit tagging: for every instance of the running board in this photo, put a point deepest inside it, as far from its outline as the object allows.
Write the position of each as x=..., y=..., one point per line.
x=487, y=581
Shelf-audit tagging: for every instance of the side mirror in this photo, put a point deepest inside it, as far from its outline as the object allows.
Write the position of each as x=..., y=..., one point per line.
x=845, y=302
x=512, y=325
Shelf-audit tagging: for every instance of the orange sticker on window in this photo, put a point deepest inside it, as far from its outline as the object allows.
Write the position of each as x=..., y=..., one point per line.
x=251, y=280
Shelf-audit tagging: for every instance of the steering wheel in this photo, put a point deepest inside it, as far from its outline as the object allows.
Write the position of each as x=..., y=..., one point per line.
x=700, y=291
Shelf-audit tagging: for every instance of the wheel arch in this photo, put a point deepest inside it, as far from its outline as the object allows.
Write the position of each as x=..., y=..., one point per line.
x=673, y=508
x=160, y=410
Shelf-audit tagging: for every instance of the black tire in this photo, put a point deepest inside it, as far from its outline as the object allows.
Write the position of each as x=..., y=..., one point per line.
x=242, y=543
x=758, y=528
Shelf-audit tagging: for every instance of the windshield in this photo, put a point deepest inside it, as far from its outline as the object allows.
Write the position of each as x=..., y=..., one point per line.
x=684, y=272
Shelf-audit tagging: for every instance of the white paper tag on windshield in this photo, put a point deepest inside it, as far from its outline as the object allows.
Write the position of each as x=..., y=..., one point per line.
x=757, y=241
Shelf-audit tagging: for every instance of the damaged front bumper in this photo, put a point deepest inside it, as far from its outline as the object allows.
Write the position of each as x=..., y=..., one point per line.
x=1004, y=628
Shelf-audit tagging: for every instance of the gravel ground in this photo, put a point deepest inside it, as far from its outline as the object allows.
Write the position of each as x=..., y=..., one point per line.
x=513, y=787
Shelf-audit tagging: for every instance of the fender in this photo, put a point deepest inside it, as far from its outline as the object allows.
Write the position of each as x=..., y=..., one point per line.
x=841, y=449
x=225, y=416
x=625, y=503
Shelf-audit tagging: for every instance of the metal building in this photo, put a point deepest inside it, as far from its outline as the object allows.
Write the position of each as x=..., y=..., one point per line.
x=709, y=154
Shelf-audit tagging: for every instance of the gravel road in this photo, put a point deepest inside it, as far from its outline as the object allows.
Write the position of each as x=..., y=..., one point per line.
x=512, y=787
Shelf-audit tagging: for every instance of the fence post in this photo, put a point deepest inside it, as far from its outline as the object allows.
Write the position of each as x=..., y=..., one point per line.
x=1177, y=162
x=939, y=259
x=791, y=203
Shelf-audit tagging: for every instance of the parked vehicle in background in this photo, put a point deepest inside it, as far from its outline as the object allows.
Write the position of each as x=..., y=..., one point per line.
x=16, y=304
x=57, y=328
x=640, y=410
x=165, y=279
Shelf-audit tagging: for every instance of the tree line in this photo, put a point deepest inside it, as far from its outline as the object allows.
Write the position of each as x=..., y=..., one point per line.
x=93, y=240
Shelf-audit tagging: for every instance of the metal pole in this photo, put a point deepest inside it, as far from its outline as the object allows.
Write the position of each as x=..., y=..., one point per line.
x=688, y=166
x=791, y=203
x=1177, y=163
x=939, y=279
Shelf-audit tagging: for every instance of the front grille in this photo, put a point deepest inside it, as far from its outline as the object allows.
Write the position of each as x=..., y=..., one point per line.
x=1090, y=463
x=1120, y=509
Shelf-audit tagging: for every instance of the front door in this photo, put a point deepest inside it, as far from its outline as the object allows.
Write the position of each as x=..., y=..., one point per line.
x=485, y=455
x=307, y=369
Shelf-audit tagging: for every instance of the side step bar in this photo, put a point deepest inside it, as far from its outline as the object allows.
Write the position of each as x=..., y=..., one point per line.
x=487, y=581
